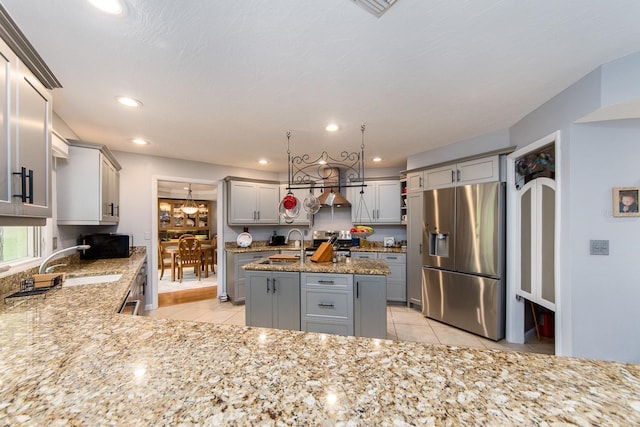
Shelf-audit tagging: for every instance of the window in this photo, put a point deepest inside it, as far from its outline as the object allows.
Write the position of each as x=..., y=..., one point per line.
x=18, y=244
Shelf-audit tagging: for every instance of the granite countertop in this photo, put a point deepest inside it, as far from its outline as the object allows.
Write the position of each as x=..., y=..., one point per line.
x=347, y=266
x=380, y=248
x=72, y=360
x=258, y=246
x=232, y=247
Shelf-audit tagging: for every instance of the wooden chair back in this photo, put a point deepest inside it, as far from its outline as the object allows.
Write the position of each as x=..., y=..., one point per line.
x=189, y=255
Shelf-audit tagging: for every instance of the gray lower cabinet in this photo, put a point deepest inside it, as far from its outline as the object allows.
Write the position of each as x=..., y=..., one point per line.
x=414, y=247
x=273, y=300
x=397, y=281
x=370, y=307
x=236, y=276
x=326, y=303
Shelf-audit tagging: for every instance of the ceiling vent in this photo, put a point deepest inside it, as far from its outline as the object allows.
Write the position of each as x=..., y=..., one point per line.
x=375, y=7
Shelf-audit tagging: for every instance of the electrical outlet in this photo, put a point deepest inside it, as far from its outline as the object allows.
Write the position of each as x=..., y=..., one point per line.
x=598, y=247
x=54, y=244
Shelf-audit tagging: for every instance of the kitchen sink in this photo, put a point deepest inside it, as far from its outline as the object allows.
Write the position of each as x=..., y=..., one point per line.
x=91, y=280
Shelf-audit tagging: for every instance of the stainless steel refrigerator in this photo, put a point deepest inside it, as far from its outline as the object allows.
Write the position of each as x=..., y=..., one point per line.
x=463, y=272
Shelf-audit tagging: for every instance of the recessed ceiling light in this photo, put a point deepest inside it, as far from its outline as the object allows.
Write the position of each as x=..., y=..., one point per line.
x=113, y=7
x=140, y=141
x=129, y=102
x=331, y=128
x=377, y=159
x=263, y=161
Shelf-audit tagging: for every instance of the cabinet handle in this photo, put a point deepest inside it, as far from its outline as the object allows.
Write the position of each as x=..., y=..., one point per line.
x=268, y=280
x=420, y=180
x=274, y=285
x=453, y=176
x=392, y=257
x=325, y=305
x=23, y=184
x=30, y=176
x=330, y=282
x=420, y=248
x=118, y=210
x=357, y=290
x=458, y=174
x=25, y=195
x=111, y=208
x=258, y=215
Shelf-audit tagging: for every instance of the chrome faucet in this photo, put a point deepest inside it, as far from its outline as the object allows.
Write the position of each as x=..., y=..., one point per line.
x=301, y=242
x=43, y=265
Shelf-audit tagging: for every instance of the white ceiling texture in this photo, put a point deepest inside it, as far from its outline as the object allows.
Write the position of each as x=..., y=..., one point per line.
x=222, y=81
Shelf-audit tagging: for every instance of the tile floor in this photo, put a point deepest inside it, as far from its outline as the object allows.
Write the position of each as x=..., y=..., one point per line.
x=404, y=324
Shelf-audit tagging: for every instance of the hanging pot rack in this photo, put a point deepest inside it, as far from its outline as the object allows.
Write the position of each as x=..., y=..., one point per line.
x=307, y=173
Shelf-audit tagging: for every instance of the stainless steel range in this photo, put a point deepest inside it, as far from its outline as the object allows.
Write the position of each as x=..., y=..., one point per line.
x=341, y=247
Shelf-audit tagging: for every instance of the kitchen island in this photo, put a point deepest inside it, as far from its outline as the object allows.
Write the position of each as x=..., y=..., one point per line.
x=346, y=297
x=70, y=359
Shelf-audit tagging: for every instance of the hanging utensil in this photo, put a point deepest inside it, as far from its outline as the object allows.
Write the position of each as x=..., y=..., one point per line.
x=311, y=203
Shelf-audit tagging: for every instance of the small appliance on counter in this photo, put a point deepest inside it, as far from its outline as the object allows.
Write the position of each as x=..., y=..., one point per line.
x=105, y=245
x=276, y=240
x=389, y=242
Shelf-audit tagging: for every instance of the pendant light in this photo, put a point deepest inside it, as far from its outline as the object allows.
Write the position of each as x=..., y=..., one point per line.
x=189, y=207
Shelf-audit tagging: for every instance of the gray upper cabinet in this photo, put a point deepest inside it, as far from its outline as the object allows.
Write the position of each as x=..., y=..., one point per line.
x=253, y=203
x=415, y=182
x=88, y=186
x=476, y=171
x=378, y=204
x=25, y=141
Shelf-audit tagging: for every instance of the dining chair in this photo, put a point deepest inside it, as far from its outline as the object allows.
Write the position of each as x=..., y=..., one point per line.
x=189, y=255
x=207, y=256
x=164, y=258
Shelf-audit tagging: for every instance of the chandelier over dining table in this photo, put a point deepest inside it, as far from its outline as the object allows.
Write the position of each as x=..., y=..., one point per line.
x=189, y=206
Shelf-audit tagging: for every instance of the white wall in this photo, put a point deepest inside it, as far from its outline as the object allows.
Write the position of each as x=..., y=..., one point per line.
x=605, y=289
x=468, y=147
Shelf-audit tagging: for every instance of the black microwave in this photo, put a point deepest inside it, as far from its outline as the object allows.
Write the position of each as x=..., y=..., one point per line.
x=105, y=245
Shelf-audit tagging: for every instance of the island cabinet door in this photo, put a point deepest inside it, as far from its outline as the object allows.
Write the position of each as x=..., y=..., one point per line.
x=286, y=301
x=370, y=311
x=259, y=299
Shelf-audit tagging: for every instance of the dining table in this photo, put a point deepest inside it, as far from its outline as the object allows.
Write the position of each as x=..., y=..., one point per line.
x=206, y=249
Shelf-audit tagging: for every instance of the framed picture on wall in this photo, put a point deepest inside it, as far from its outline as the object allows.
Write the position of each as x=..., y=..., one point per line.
x=625, y=201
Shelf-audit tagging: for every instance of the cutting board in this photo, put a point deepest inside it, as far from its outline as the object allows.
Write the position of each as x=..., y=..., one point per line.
x=323, y=254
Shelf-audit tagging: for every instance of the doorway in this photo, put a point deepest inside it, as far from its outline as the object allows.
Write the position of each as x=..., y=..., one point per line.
x=532, y=240
x=169, y=194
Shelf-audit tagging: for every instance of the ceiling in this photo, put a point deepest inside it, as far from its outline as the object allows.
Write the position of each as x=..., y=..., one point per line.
x=222, y=81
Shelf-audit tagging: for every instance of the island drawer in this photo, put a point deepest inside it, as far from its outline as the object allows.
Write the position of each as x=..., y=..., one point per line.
x=327, y=304
x=335, y=281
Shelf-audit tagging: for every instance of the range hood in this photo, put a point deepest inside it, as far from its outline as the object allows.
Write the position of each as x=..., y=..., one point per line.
x=331, y=193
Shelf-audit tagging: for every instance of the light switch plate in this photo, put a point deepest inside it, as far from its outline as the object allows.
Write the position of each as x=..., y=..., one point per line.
x=598, y=247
